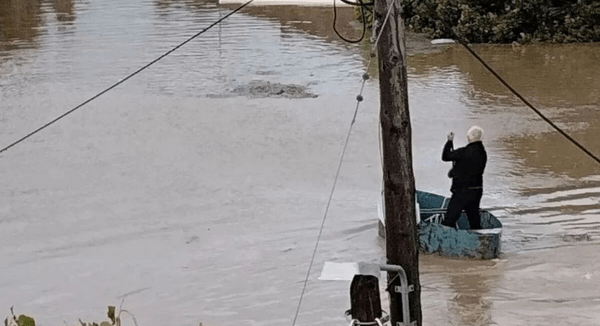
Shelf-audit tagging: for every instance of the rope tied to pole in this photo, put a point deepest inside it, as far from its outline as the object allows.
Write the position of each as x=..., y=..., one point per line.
x=359, y=99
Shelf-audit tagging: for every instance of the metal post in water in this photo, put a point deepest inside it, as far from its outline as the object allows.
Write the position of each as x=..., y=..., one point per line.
x=365, y=302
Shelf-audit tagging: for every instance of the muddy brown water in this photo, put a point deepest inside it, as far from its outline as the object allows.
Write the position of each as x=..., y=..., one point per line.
x=194, y=203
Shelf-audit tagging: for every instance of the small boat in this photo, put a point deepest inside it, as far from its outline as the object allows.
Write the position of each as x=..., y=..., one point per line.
x=461, y=242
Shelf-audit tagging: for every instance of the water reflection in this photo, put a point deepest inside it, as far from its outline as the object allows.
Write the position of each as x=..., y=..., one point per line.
x=21, y=20
x=550, y=152
x=468, y=286
x=548, y=75
x=65, y=10
x=471, y=304
x=313, y=20
x=192, y=4
x=259, y=43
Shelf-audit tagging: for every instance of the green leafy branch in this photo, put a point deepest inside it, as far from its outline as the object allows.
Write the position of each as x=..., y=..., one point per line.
x=114, y=318
x=22, y=320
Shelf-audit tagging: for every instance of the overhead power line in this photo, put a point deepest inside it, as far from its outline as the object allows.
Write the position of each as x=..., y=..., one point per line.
x=124, y=79
x=518, y=95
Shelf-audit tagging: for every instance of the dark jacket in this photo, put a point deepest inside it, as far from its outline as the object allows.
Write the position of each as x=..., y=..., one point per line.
x=469, y=163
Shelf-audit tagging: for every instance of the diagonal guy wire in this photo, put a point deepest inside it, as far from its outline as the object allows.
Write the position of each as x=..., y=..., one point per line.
x=125, y=79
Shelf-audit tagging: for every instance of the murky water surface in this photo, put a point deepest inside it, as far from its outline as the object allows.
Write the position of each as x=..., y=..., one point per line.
x=196, y=204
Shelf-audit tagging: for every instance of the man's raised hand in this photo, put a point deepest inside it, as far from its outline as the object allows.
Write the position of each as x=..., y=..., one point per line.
x=451, y=136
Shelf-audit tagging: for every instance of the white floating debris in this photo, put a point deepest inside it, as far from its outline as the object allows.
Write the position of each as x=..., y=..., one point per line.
x=488, y=231
x=338, y=271
x=346, y=271
x=443, y=41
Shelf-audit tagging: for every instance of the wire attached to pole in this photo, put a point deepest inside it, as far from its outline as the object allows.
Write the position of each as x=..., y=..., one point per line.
x=364, y=21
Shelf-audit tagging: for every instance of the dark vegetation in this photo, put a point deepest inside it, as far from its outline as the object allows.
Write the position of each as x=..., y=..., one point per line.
x=506, y=21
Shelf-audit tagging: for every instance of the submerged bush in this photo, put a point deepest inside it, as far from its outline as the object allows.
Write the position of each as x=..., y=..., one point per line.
x=114, y=319
x=22, y=320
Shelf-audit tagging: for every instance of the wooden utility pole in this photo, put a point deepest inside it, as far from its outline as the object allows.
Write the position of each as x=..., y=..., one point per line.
x=399, y=184
x=365, y=303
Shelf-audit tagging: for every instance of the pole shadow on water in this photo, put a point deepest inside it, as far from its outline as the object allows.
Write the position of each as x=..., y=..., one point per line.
x=460, y=289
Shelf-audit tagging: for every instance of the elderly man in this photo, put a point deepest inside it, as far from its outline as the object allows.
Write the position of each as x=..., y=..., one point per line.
x=467, y=177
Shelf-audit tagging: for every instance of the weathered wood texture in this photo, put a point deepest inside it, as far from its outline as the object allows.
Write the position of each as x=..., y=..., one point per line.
x=365, y=301
x=399, y=184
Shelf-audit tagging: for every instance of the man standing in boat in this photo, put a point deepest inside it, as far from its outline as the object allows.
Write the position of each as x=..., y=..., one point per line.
x=467, y=177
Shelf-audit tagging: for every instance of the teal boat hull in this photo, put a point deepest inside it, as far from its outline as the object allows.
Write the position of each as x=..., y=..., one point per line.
x=460, y=242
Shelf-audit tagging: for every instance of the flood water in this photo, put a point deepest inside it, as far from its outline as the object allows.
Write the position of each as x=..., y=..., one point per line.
x=193, y=203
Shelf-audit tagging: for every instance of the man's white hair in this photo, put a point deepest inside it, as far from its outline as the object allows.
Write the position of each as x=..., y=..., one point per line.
x=474, y=134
